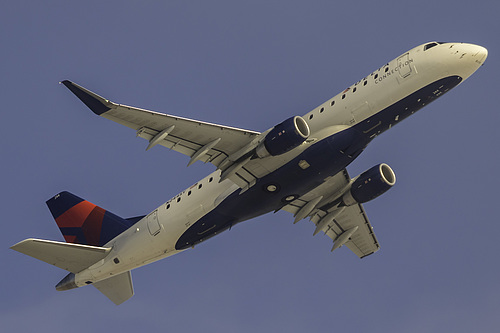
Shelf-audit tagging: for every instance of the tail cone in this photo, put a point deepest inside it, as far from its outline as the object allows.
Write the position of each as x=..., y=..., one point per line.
x=67, y=283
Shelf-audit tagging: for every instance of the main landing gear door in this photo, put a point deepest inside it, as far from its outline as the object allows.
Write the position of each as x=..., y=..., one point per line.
x=153, y=224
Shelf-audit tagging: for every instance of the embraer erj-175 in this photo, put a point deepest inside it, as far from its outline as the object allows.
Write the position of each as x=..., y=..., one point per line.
x=298, y=166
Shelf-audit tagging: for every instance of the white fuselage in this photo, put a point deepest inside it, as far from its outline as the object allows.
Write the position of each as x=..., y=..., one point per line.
x=156, y=235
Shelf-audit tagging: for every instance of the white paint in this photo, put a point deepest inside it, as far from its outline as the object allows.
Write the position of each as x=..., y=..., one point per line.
x=401, y=77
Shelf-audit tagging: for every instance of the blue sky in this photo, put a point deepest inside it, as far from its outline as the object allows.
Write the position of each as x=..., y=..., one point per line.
x=249, y=65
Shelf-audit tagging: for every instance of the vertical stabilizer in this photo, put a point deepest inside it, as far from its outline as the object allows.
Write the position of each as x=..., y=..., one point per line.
x=82, y=222
x=118, y=288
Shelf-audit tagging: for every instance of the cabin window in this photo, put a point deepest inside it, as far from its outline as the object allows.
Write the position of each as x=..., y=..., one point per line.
x=376, y=76
x=178, y=199
x=210, y=180
x=311, y=117
x=343, y=96
x=199, y=186
x=189, y=193
x=386, y=69
x=364, y=83
x=168, y=206
x=332, y=103
x=354, y=90
x=322, y=109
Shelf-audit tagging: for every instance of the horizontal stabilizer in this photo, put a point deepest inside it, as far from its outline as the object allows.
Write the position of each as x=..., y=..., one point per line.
x=70, y=257
x=118, y=288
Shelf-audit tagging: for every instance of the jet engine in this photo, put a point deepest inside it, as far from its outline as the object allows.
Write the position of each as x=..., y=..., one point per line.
x=284, y=137
x=369, y=185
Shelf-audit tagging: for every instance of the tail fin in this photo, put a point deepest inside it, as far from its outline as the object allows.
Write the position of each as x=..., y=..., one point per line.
x=82, y=222
x=118, y=288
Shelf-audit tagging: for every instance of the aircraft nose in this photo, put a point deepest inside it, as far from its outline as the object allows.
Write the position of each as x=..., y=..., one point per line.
x=466, y=58
x=476, y=53
x=482, y=53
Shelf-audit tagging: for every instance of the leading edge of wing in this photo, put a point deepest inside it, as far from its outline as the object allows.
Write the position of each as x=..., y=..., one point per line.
x=99, y=105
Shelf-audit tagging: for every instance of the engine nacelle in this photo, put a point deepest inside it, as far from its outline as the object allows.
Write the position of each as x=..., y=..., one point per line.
x=284, y=137
x=370, y=184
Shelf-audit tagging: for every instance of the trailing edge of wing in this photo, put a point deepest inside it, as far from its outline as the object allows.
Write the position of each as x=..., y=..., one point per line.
x=336, y=222
x=201, y=141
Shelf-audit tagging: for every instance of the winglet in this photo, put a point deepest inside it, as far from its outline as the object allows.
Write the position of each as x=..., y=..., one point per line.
x=96, y=103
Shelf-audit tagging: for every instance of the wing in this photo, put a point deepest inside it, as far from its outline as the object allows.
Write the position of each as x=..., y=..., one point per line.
x=223, y=146
x=344, y=225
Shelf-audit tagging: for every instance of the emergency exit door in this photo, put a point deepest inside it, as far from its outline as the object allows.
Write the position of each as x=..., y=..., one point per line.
x=153, y=223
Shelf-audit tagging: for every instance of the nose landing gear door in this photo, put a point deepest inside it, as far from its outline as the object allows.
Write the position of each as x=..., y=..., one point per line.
x=153, y=224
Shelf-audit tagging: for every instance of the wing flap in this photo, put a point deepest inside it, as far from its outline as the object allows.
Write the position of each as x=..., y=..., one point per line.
x=363, y=241
x=186, y=136
x=330, y=190
x=188, y=148
x=70, y=257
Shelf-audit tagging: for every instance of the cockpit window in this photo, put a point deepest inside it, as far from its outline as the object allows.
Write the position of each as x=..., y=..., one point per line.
x=428, y=46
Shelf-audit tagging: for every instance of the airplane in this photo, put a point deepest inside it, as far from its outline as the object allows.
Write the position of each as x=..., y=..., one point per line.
x=298, y=166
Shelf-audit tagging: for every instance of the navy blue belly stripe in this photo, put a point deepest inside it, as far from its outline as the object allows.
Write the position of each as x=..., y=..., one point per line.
x=404, y=108
x=326, y=158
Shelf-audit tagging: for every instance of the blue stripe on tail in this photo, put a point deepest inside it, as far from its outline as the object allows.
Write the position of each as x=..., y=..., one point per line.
x=82, y=222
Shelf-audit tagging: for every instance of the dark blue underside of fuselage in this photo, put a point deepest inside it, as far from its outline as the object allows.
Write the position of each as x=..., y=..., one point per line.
x=325, y=158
